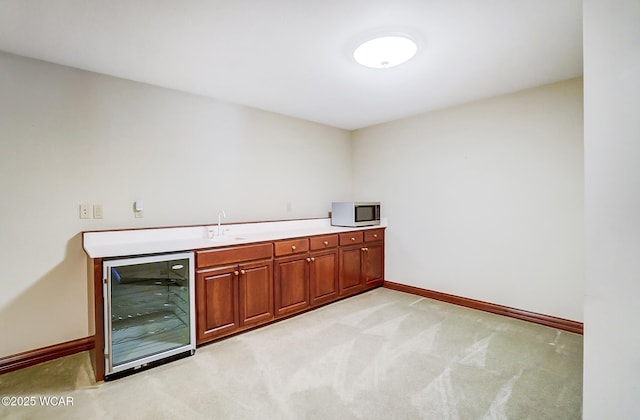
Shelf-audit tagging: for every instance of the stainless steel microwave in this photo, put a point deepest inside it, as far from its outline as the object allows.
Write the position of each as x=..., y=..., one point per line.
x=352, y=213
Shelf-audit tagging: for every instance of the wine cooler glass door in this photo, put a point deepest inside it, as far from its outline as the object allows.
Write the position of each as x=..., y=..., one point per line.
x=149, y=309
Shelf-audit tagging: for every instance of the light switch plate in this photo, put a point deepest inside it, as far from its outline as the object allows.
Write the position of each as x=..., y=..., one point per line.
x=97, y=211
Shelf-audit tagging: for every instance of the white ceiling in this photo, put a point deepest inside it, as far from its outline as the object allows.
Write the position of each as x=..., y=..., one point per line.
x=294, y=57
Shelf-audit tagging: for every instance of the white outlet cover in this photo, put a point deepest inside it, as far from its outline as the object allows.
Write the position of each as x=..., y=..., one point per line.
x=85, y=211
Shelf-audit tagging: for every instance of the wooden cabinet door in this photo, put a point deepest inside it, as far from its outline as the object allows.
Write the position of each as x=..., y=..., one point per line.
x=256, y=292
x=372, y=263
x=217, y=303
x=291, y=285
x=323, y=278
x=350, y=268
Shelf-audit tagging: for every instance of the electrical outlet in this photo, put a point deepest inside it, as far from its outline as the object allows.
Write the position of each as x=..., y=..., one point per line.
x=139, y=214
x=97, y=211
x=85, y=211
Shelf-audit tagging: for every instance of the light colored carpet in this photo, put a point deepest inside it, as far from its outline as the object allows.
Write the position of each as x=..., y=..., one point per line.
x=380, y=355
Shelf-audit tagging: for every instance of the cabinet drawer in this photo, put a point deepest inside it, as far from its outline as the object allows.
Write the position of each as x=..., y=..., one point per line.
x=350, y=238
x=219, y=256
x=324, y=242
x=373, y=235
x=291, y=246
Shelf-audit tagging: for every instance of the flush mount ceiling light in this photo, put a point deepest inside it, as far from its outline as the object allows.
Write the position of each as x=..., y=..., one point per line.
x=385, y=51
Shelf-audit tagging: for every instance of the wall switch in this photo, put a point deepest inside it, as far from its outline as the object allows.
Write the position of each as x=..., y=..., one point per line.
x=85, y=211
x=138, y=205
x=97, y=211
x=138, y=208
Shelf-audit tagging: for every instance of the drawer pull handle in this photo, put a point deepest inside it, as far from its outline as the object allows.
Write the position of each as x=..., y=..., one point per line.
x=364, y=249
x=353, y=239
x=326, y=243
x=293, y=247
x=313, y=259
x=375, y=235
x=236, y=272
x=243, y=272
x=308, y=259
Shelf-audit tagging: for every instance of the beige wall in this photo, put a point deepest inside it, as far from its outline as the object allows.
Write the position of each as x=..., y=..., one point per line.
x=612, y=209
x=484, y=200
x=69, y=137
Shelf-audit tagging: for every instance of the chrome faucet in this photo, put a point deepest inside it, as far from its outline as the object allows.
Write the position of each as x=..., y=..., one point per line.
x=221, y=213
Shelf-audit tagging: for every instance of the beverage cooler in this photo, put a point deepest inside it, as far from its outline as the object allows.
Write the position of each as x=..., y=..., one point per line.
x=149, y=310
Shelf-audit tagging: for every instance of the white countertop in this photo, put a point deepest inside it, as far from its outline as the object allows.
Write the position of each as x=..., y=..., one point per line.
x=121, y=243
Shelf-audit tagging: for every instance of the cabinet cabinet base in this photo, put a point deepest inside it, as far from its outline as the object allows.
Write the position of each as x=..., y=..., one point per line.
x=370, y=286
